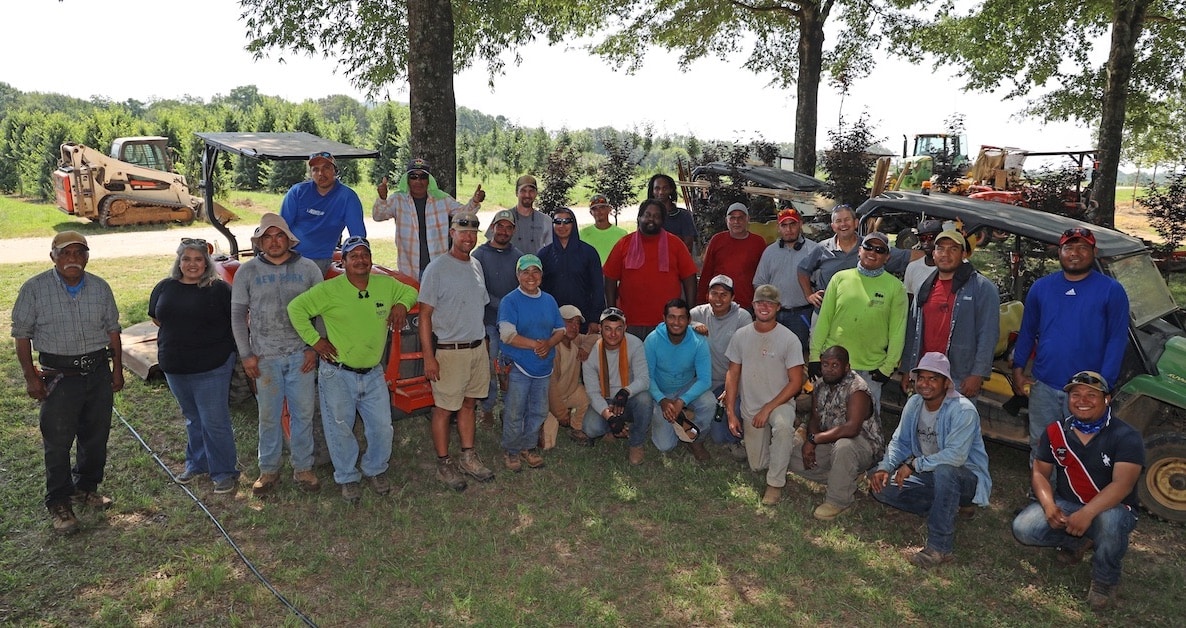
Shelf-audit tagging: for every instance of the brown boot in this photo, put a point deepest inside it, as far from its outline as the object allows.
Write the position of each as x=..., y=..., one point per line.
x=307, y=480
x=699, y=451
x=265, y=484
x=636, y=455
x=63, y=518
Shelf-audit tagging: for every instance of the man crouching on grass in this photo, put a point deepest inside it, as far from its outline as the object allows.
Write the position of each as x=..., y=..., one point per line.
x=1098, y=459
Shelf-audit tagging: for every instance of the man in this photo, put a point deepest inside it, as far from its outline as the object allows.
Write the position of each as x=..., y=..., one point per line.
x=1098, y=459
x=918, y=270
x=533, y=228
x=734, y=252
x=841, y=252
x=319, y=209
x=1077, y=306
x=452, y=338
x=938, y=461
x=681, y=377
x=957, y=313
x=719, y=319
x=498, y=257
x=842, y=438
x=779, y=267
x=567, y=401
x=602, y=234
x=677, y=221
x=770, y=359
x=864, y=311
x=358, y=310
x=70, y=317
x=273, y=354
x=572, y=268
x=421, y=212
x=617, y=382
x=646, y=269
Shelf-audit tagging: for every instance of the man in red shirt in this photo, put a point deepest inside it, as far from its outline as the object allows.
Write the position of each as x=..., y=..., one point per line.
x=734, y=253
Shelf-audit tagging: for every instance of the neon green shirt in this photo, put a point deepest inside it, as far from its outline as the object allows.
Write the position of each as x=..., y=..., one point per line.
x=867, y=316
x=356, y=325
x=602, y=239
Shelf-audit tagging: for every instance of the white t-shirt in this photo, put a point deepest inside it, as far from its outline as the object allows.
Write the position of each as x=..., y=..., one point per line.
x=764, y=360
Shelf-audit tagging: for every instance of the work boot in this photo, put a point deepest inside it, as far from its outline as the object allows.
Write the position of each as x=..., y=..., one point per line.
x=307, y=480
x=379, y=483
x=1101, y=596
x=447, y=473
x=64, y=520
x=699, y=451
x=351, y=493
x=772, y=496
x=636, y=455
x=828, y=511
x=265, y=484
x=91, y=499
x=927, y=558
x=532, y=458
x=512, y=462
x=736, y=451
x=472, y=465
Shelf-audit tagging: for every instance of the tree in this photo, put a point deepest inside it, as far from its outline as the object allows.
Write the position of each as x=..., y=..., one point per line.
x=424, y=41
x=1166, y=209
x=849, y=163
x=560, y=174
x=1034, y=44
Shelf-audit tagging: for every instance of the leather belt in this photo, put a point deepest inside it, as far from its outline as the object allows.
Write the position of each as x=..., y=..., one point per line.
x=459, y=345
x=796, y=309
x=86, y=363
x=351, y=368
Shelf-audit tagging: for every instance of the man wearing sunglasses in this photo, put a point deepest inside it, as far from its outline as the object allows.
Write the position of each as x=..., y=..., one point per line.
x=1078, y=307
x=841, y=252
x=572, y=270
x=421, y=212
x=317, y=210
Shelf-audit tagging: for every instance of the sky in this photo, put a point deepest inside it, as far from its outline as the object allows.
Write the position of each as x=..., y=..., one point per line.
x=122, y=49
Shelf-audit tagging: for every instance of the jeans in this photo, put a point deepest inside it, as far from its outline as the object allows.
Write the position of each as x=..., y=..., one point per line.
x=495, y=352
x=1046, y=406
x=837, y=464
x=78, y=409
x=663, y=435
x=203, y=401
x=638, y=413
x=1109, y=531
x=524, y=411
x=798, y=320
x=344, y=393
x=937, y=495
x=280, y=379
x=719, y=432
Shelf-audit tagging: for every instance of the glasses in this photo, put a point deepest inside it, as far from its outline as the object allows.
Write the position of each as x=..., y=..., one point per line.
x=465, y=222
x=414, y=176
x=193, y=242
x=355, y=241
x=1089, y=380
x=1078, y=232
x=876, y=248
x=613, y=312
x=323, y=154
x=562, y=221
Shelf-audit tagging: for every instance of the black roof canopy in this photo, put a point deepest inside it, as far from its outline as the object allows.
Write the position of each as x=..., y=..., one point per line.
x=766, y=176
x=282, y=146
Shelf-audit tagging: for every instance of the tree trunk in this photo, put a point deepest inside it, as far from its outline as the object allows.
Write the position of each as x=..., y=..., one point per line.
x=431, y=102
x=1128, y=19
x=811, y=59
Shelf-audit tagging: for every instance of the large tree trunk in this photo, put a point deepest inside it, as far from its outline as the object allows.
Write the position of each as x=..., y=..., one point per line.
x=431, y=102
x=1128, y=19
x=811, y=59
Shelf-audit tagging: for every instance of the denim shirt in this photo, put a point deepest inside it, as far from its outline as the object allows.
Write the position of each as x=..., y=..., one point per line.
x=960, y=444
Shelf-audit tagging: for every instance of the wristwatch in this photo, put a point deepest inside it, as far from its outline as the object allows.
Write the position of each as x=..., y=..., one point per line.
x=910, y=463
x=811, y=437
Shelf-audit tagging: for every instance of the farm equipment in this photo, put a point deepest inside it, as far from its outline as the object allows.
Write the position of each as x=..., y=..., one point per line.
x=134, y=185
x=943, y=155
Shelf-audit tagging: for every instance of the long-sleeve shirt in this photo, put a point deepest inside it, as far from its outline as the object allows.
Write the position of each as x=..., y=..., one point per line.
x=638, y=374
x=317, y=220
x=572, y=275
x=684, y=369
x=498, y=269
x=736, y=258
x=867, y=316
x=355, y=324
x=437, y=211
x=957, y=430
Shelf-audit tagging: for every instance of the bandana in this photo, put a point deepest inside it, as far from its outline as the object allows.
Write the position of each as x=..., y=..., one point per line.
x=869, y=273
x=636, y=256
x=1092, y=427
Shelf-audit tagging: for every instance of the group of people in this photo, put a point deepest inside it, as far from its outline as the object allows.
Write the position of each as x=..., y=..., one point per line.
x=599, y=331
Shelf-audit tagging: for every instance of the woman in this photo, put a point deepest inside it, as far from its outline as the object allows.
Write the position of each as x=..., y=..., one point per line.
x=196, y=351
x=529, y=325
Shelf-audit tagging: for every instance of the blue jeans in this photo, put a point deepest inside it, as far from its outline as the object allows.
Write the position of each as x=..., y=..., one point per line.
x=719, y=431
x=1046, y=406
x=937, y=495
x=663, y=435
x=280, y=378
x=495, y=351
x=1109, y=531
x=344, y=393
x=207, y=412
x=798, y=320
x=524, y=411
x=78, y=410
x=638, y=412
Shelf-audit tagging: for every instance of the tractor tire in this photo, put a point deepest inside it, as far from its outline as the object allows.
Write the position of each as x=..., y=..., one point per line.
x=1162, y=486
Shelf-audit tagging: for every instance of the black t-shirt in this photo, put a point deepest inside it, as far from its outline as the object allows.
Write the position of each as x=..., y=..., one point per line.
x=1116, y=442
x=421, y=204
x=195, y=334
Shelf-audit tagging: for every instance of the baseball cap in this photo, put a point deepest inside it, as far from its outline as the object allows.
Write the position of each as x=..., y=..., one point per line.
x=353, y=243
x=934, y=362
x=66, y=238
x=527, y=261
x=599, y=200
x=503, y=214
x=954, y=236
x=685, y=430
x=612, y=313
x=1091, y=379
x=737, y=207
x=465, y=221
x=789, y=214
x=875, y=235
x=722, y=280
x=419, y=164
x=768, y=293
x=524, y=181
x=930, y=226
x=569, y=312
x=269, y=220
x=323, y=155
x=1077, y=232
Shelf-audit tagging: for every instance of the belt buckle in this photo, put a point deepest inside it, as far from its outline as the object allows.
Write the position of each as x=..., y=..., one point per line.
x=86, y=362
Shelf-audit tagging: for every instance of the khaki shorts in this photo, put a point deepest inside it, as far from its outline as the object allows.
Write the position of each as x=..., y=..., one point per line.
x=465, y=373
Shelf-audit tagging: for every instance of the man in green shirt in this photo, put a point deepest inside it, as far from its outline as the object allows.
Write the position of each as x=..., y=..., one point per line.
x=602, y=234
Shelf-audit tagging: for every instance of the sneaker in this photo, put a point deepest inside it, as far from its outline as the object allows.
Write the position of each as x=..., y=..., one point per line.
x=580, y=438
x=92, y=499
x=379, y=483
x=472, y=465
x=64, y=521
x=635, y=455
x=699, y=451
x=447, y=472
x=512, y=462
x=1101, y=596
x=307, y=480
x=351, y=493
x=226, y=485
x=772, y=496
x=265, y=484
x=188, y=476
x=927, y=558
x=532, y=458
x=828, y=511
x=1068, y=557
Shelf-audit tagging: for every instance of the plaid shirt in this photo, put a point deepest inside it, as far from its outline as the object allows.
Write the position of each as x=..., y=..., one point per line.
x=437, y=211
x=58, y=323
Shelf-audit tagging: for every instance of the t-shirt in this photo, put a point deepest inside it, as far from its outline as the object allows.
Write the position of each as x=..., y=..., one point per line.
x=534, y=316
x=1116, y=442
x=259, y=302
x=642, y=292
x=937, y=313
x=916, y=273
x=456, y=290
x=779, y=266
x=355, y=320
x=720, y=332
x=737, y=259
x=532, y=232
x=602, y=239
x=926, y=432
x=498, y=268
x=764, y=359
x=195, y=334
x=680, y=224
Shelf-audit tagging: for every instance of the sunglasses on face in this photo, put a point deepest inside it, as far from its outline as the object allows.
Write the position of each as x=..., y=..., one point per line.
x=562, y=221
x=465, y=222
x=876, y=248
x=417, y=176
